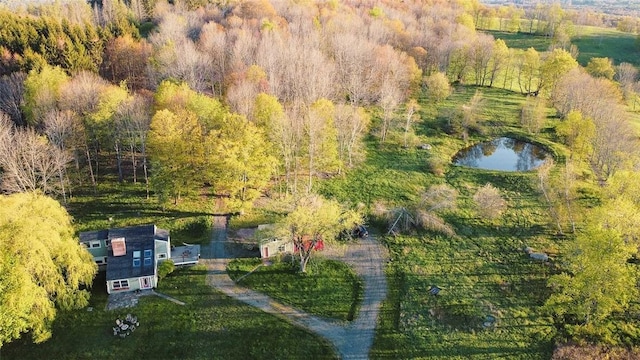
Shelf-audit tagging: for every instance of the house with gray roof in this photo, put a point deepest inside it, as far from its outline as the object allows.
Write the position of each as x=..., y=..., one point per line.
x=130, y=255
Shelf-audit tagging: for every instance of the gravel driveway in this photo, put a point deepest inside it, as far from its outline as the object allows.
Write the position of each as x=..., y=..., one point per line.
x=352, y=340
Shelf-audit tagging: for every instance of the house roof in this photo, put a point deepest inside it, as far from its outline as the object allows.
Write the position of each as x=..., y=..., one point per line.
x=137, y=240
x=94, y=235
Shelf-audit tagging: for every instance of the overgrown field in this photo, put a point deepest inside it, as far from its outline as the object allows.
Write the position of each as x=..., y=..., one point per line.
x=491, y=293
x=209, y=326
x=490, y=303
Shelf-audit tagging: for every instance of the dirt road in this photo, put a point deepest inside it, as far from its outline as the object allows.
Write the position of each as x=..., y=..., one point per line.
x=352, y=340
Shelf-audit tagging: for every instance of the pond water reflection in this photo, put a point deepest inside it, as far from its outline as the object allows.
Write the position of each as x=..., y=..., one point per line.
x=505, y=154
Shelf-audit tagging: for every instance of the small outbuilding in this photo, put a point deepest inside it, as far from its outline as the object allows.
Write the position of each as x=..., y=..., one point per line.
x=273, y=246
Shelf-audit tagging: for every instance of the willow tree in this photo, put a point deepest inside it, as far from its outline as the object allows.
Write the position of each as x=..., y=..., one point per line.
x=42, y=266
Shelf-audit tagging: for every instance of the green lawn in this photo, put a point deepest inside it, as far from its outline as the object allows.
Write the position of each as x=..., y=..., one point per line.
x=522, y=40
x=330, y=288
x=591, y=42
x=209, y=326
x=116, y=204
x=603, y=42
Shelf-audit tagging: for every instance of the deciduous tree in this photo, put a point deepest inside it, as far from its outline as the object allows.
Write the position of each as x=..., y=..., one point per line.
x=489, y=202
x=601, y=67
x=240, y=161
x=578, y=133
x=533, y=114
x=322, y=139
x=42, y=266
x=314, y=219
x=352, y=124
x=554, y=66
x=598, y=281
x=438, y=87
x=12, y=96
x=42, y=90
x=175, y=146
x=528, y=64
x=29, y=162
x=127, y=59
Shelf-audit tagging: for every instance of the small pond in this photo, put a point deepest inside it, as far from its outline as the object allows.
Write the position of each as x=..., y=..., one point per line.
x=504, y=154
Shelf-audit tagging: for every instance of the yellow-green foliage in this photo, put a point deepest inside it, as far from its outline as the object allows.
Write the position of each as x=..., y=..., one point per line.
x=42, y=92
x=179, y=97
x=42, y=266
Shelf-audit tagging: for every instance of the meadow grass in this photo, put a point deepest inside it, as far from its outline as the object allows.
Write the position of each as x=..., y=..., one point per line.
x=492, y=293
x=520, y=40
x=329, y=288
x=490, y=305
x=605, y=42
x=210, y=326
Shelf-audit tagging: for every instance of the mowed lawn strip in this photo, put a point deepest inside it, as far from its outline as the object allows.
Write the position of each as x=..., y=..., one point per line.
x=209, y=326
x=329, y=288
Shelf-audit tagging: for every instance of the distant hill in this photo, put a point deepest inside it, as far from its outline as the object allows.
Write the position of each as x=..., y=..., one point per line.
x=613, y=7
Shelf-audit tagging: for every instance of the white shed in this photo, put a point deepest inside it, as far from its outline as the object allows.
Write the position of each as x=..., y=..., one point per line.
x=271, y=247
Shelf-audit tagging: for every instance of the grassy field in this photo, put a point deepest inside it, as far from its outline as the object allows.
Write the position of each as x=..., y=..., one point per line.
x=209, y=326
x=490, y=303
x=522, y=40
x=603, y=42
x=330, y=288
x=489, y=306
x=591, y=42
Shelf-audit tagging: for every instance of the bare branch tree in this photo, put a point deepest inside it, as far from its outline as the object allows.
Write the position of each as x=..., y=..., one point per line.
x=489, y=202
x=439, y=197
x=11, y=96
x=29, y=162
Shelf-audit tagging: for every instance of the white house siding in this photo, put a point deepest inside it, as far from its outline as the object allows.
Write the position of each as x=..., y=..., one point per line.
x=275, y=247
x=162, y=250
x=133, y=284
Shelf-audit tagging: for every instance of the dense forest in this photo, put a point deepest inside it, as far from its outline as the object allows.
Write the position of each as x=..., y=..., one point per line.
x=242, y=99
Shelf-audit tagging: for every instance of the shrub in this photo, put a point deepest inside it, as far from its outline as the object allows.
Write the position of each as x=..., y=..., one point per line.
x=165, y=268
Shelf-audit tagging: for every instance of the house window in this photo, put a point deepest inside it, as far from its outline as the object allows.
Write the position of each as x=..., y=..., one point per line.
x=136, y=258
x=95, y=244
x=120, y=284
x=147, y=253
x=147, y=261
x=107, y=243
x=162, y=256
x=281, y=248
x=84, y=245
x=99, y=261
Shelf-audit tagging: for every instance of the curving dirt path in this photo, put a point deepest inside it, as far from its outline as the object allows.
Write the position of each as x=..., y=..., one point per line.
x=352, y=340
